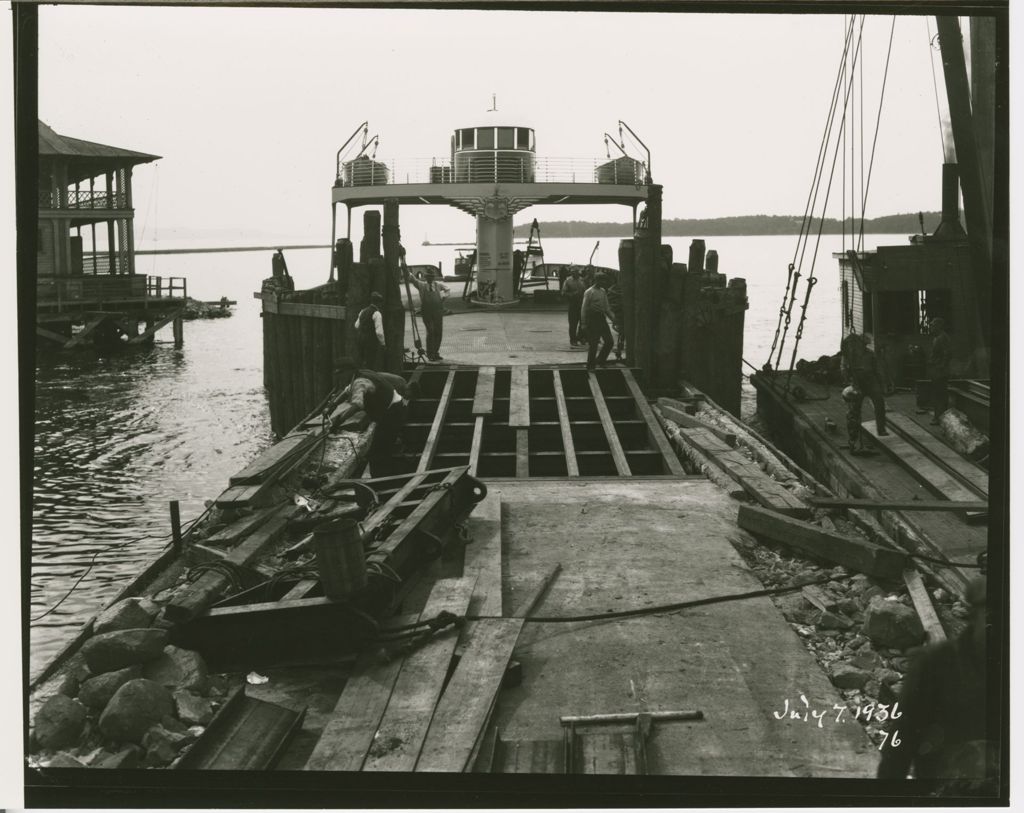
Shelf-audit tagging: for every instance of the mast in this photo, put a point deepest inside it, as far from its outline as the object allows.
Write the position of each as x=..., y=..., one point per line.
x=977, y=209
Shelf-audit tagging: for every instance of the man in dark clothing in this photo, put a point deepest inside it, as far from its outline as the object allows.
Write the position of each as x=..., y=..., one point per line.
x=572, y=290
x=941, y=731
x=370, y=334
x=938, y=367
x=594, y=316
x=860, y=370
x=432, y=296
x=384, y=398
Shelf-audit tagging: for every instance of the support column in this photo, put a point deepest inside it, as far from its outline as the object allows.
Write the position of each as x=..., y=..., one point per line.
x=130, y=221
x=494, y=259
x=394, y=311
x=178, y=330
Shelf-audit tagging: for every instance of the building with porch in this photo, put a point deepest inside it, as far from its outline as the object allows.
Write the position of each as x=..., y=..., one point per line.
x=85, y=266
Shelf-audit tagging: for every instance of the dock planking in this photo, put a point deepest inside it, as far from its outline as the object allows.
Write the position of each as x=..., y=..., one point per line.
x=483, y=398
x=483, y=555
x=972, y=474
x=920, y=466
x=618, y=456
x=655, y=436
x=568, y=446
x=519, y=397
x=436, y=428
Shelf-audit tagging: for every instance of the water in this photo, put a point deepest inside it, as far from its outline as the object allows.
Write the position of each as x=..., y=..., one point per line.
x=119, y=436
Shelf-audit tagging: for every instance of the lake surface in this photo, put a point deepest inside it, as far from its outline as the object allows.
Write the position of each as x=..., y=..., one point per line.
x=119, y=436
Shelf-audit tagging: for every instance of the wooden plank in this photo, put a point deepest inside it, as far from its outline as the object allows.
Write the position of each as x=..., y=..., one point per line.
x=568, y=446
x=523, y=452
x=51, y=335
x=898, y=505
x=462, y=711
x=273, y=458
x=381, y=514
x=406, y=720
x=519, y=397
x=621, y=465
x=855, y=554
x=483, y=555
x=435, y=430
x=310, y=309
x=301, y=589
x=923, y=604
x=691, y=422
x=147, y=334
x=975, y=476
x=483, y=399
x=530, y=756
x=91, y=325
x=921, y=467
x=474, y=449
x=654, y=433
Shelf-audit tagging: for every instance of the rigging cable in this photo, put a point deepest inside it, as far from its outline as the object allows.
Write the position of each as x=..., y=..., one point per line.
x=805, y=227
x=812, y=280
x=935, y=86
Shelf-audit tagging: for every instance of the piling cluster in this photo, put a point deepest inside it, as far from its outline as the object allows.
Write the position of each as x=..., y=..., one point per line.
x=128, y=699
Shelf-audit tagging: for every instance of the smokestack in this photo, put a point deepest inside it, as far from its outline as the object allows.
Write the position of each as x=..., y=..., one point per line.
x=950, y=228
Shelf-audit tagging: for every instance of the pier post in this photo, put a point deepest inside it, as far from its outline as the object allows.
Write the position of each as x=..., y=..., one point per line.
x=178, y=331
x=175, y=526
x=627, y=284
x=369, y=246
x=394, y=311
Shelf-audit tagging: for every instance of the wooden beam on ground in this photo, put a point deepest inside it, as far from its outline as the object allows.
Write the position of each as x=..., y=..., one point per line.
x=689, y=421
x=523, y=452
x=855, y=554
x=232, y=533
x=898, y=505
x=920, y=466
x=90, y=326
x=973, y=474
x=768, y=492
x=654, y=433
x=435, y=430
x=483, y=399
x=474, y=449
x=923, y=604
x=403, y=728
x=621, y=464
x=571, y=466
x=274, y=458
x=380, y=514
x=519, y=397
x=42, y=332
x=148, y=334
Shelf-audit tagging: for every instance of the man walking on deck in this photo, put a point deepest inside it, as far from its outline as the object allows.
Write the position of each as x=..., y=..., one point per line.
x=860, y=370
x=370, y=334
x=573, y=291
x=594, y=316
x=938, y=368
x=432, y=296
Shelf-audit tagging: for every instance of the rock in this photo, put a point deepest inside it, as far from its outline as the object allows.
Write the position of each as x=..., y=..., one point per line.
x=866, y=659
x=838, y=572
x=887, y=676
x=172, y=723
x=162, y=746
x=959, y=610
x=905, y=599
x=179, y=668
x=219, y=686
x=848, y=606
x=128, y=757
x=59, y=722
x=134, y=708
x=832, y=621
x=97, y=691
x=835, y=588
x=870, y=592
x=857, y=641
x=845, y=676
x=115, y=650
x=68, y=684
x=891, y=624
x=192, y=710
x=871, y=687
x=62, y=760
x=859, y=582
x=131, y=613
x=891, y=694
x=900, y=664
x=940, y=595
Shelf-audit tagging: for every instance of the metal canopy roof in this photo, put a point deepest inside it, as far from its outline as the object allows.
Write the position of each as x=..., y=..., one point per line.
x=87, y=153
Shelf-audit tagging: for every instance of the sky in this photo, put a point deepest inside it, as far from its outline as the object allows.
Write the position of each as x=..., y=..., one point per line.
x=247, y=107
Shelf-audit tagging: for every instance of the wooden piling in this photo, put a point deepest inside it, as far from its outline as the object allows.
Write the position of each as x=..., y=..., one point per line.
x=695, y=263
x=666, y=377
x=369, y=246
x=175, y=525
x=394, y=311
x=178, y=331
x=627, y=283
x=357, y=297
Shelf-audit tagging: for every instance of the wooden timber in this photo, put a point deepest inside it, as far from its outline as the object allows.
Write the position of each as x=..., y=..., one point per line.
x=685, y=419
x=923, y=604
x=967, y=471
x=855, y=554
x=275, y=458
x=483, y=556
x=483, y=399
x=568, y=446
x=621, y=464
x=435, y=430
x=897, y=505
x=654, y=434
x=519, y=403
x=476, y=444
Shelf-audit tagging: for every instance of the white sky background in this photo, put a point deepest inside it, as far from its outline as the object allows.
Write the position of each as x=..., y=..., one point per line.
x=249, y=106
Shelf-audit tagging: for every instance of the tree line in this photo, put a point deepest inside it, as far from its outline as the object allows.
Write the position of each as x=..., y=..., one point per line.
x=743, y=225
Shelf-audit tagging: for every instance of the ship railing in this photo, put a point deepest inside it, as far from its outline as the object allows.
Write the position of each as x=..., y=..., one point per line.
x=483, y=167
x=161, y=287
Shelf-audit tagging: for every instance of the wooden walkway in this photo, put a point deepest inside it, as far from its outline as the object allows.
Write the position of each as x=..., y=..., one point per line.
x=913, y=463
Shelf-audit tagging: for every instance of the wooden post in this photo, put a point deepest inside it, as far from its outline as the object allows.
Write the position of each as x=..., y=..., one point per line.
x=175, y=526
x=627, y=286
x=670, y=310
x=357, y=297
x=178, y=331
x=369, y=246
x=394, y=312
x=695, y=263
x=643, y=294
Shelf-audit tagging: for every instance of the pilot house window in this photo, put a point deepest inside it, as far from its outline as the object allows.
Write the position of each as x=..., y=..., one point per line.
x=485, y=138
x=506, y=138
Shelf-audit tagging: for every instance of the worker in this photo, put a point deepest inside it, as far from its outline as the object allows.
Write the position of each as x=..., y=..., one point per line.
x=594, y=316
x=370, y=334
x=941, y=731
x=385, y=398
x=432, y=296
x=939, y=357
x=572, y=290
x=860, y=371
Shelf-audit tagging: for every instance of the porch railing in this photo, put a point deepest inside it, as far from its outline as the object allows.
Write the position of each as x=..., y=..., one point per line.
x=160, y=287
x=82, y=200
